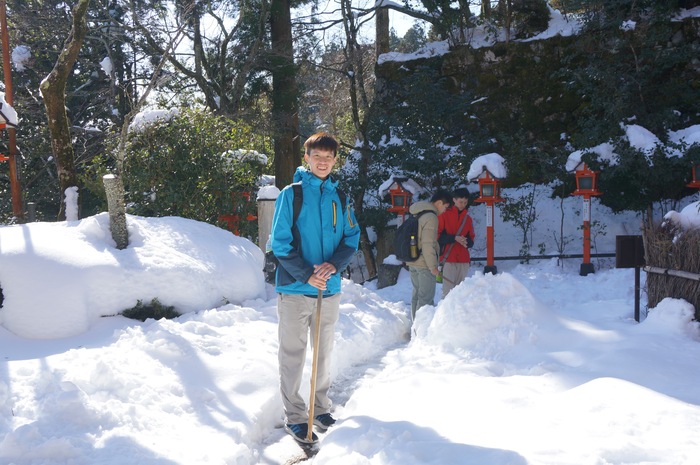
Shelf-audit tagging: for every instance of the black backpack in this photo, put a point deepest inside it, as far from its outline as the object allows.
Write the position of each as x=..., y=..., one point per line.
x=402, y=239
x=271, y=261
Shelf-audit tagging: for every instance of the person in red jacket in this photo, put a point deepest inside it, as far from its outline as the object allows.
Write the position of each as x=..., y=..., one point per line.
x=455, y=236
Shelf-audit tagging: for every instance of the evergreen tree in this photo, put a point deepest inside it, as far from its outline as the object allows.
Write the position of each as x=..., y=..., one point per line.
x=414, y=39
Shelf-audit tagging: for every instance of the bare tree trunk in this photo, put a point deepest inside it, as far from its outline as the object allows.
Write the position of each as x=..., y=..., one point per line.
x=53, y=89
x=285, y=103
x=505, y=8
x=486, y=8
x=360, y=108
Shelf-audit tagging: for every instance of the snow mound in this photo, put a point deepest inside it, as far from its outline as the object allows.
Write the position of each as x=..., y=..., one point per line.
x=96, y=279
x=367, y=322
x=474, y=316
x=674, y=317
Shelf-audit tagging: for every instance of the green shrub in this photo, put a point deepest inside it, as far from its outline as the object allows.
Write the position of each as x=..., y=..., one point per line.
x=154, y=310
x=192, y=166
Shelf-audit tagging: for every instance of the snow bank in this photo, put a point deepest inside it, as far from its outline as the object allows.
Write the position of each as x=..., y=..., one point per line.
x=485, y=315
x=675, y=317
x=96, y=279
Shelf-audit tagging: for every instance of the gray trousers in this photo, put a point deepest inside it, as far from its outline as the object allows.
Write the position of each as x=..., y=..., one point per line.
x=453, y=274
x=423, y=289
x=297, y=317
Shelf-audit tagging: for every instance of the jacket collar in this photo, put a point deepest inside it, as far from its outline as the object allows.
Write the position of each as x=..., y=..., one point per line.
x=307, y=177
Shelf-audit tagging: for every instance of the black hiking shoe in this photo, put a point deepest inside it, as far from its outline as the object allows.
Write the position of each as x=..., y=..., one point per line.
x=299, y=431
x=324, y=421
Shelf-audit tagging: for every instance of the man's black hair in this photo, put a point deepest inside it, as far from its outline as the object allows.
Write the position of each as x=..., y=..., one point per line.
x=442, y=194
x=321, y=141
x=461, y=193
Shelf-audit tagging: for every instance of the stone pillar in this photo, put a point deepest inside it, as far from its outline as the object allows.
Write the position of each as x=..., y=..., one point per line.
x=117, y=211
x=382, y=31
x=266, y=210
x=387, y=274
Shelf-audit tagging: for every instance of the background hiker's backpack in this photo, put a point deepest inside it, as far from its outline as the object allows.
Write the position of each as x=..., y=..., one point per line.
x=402, y=239
x=271, y=261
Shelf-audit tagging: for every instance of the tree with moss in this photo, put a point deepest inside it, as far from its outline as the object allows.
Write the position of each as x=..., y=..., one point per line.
x=53, y=90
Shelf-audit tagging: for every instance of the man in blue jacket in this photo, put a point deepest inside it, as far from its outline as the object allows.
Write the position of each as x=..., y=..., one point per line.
x=312, y=252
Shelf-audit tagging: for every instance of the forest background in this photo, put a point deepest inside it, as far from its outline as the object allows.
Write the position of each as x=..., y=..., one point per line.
x=243, y=82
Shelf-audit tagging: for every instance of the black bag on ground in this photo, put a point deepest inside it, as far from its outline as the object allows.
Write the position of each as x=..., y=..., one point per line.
x=406, y=239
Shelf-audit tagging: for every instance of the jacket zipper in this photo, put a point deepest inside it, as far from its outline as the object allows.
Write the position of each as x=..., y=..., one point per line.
x=335, y=214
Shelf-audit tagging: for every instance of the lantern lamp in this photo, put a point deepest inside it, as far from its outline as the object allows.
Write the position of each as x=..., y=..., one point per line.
x=586, y=181
x=489, y=188
x=400, y=198
x=695, y=183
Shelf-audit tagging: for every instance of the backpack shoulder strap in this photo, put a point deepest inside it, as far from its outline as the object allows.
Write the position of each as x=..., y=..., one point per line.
x=297, y=203
x=342, y=197
x=425, y=211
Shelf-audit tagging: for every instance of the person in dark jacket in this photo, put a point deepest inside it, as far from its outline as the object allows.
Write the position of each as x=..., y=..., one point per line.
x=456, y=236
x=312, y=253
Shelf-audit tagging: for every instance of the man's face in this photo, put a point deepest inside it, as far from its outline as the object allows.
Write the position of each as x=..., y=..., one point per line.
x=441, y=206
x=460, y=203
x=321, y=162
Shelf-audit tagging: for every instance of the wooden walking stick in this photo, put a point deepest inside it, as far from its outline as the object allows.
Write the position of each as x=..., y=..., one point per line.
x=314, y=367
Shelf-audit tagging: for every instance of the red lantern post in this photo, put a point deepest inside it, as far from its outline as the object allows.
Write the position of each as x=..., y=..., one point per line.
x=695, y=183
x=489, y=193
x=15, y=188
x=586, y=187
x=232, y=220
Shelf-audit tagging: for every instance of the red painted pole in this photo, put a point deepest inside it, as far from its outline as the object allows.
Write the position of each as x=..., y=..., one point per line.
x=17, y=209
x=586, y=266
x=586, y=229
x=490, y=267
x=489, y=233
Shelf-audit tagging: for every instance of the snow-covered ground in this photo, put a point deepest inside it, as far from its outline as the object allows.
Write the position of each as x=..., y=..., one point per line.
x=535, y=365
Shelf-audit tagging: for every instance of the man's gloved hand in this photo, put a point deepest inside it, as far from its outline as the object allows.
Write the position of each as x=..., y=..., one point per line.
x=470, y=242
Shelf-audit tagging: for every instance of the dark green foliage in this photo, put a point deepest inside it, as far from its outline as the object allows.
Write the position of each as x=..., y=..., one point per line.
x=639, y=72
x=427, y=118
x=154, y=310
x=531, y=17
x=526, y=18
x=639, y=179
x=535, y=103
x=179, y=168
x=95, y=102
x=449, y=19
x=414, y=39
x=42, y=27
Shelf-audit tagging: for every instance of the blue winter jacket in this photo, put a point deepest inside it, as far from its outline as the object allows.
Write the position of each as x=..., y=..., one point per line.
x=325, y=234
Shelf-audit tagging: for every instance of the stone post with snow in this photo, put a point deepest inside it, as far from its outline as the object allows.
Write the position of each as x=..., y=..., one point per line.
x=117, y=210
x=266, y=210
